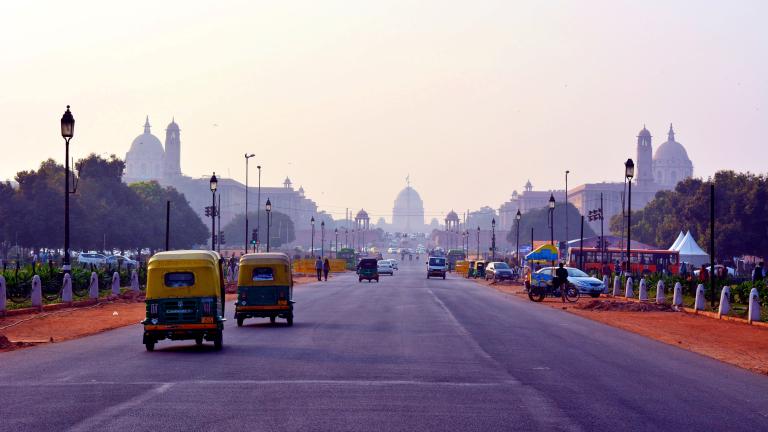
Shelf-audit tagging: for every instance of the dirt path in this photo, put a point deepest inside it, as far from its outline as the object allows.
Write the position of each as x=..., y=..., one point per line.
x=20, y=331
x=732, y=342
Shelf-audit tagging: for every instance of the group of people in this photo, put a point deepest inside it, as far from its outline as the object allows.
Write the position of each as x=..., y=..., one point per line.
x=322, y=267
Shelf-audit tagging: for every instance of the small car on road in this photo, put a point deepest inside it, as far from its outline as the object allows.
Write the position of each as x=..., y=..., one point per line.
x=585, y=283
x=498, y=271
x=86, y=258
x=385, y=267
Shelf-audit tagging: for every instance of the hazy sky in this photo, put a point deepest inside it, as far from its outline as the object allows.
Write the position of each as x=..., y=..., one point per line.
x=472, y=98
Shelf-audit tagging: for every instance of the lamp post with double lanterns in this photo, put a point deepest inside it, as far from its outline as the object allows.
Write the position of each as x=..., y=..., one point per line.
x=258, y=213
x=346, y=237
x=247, y=156
x=551, y=219
x=478, y=242
x=67, y=132
x=214, y=184
x=629, y=173
x=518, y=216
x=336, y=233
x=268, y=208
x=312, y=244
x=493, y=239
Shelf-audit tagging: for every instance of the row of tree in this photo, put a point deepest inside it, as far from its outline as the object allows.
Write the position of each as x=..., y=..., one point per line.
x=538, y=220
x=105, y=213
x=741, y=214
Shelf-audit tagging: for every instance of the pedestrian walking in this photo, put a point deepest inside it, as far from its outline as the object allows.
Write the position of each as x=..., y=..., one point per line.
x=561, y=280
x=319, y=268
x=326, y=269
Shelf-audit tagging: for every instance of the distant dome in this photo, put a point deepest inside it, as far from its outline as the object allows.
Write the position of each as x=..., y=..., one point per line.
x=146, y=145
x=172, y=125
x=671, y=151
x=362, y=214
x=644, y=133
x=406, y=194
x=146, y=157
x=671, y=163
x=408, y=211
x=452, y=216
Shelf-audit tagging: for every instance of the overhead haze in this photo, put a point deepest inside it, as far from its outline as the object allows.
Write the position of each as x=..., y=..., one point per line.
x=348, y=97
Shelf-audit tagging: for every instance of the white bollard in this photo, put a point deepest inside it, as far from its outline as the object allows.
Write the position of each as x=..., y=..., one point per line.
x=754, y=306
x=37, y=292
x=643, y=290
x=677, y=298
x=606, y=284
x=661, y=296
x=616, y=286
x=115, y=283
x=628, y=291
x=2, y=296
x=93, y=287
x=66, y=289
x=701, y=302
x=135, y=281
x=725, y=301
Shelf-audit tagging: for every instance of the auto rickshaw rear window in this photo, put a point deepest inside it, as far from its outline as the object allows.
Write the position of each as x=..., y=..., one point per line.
x=263, y=274
x=179, y=279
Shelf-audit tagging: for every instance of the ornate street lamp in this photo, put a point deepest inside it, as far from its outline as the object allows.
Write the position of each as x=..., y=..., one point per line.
x=312, y=245
x=67, y=132
x=336, y=233
x=322, y=239
x=258, y=213
x=493, y=239
x=268, y=208
x=551, y=219
x=478, y=242
x=629, y=172
x=214, y=184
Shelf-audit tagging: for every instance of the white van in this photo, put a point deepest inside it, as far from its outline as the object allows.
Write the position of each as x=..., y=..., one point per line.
x=436, y=266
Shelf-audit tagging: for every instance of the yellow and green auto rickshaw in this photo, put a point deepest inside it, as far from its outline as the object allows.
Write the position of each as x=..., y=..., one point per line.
x=264, y=287
x=185, y=298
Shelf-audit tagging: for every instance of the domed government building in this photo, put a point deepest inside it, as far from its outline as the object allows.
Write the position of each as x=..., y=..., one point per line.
x=148, y=160
x=408, y=212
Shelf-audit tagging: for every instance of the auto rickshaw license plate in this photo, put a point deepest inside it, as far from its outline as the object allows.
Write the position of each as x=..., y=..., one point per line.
x=207, y=320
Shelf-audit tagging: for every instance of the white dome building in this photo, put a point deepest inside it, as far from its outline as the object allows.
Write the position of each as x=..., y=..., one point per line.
x=408, y=212
x=671, y=163
x=146, y=158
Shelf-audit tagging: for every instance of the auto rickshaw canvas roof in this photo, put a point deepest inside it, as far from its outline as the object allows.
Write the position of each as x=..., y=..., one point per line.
x=186, y=255
x=265, y=258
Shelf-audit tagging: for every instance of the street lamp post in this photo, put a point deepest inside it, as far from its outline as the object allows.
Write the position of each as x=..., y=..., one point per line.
x=629, y=172
x=493, y=239
x=258, y=213
x=268, y=208
x=312, y=244
x=551, y=219
x=322, y=239
x=478, y=242
x=346, y=237
x=247, y=156
x=67, y=132
x=567, y=238
x=336, y=233
x=214, y=184
x=518, y=216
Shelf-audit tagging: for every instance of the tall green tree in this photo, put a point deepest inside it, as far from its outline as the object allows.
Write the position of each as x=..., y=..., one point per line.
x=538, y=219
x=281, y=231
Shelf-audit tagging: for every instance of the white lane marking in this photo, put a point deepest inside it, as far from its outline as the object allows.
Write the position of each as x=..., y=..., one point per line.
x=110, y=413
x=164, y=386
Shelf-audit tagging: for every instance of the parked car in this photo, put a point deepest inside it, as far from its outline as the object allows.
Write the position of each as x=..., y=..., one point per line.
x=121, y=261
x=436, y=266
x=584, y=282
x=393, y=262
x=718, y=268
x=87, y=258
x=498, y=271
x=384, y=267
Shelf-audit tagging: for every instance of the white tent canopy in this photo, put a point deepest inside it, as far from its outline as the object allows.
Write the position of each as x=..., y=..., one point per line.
x=677, y=241
x=690, y=252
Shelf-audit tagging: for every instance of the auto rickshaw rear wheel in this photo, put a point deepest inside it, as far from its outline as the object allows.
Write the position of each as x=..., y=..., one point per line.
x=290, y=320
x=240, y=321
x=150, y=345
x=218, y=343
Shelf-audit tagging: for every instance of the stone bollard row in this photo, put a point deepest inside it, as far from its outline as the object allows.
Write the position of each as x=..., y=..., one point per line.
x=93, y=287
x=700, y=302
x=661, y=295
x=616, y=286
x=2, y=296
x=643, y=295
x=677, y=297
x=37, y=292
x=115, y=283
x=754, y=306
x=66, y=289
x=628, y=290
x=606, y=283
x=135, y=281
x=725, y=302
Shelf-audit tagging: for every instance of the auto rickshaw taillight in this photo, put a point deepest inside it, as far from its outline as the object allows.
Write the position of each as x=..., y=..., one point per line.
x=206, y=308
x=153, y=309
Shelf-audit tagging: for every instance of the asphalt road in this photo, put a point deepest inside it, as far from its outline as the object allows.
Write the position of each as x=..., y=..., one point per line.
x=404, y=354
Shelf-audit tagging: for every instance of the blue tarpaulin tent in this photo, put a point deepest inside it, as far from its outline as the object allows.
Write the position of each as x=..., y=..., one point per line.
x=543, y=253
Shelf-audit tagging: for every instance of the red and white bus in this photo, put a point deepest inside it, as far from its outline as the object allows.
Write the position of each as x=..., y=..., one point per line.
x=642, y=260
